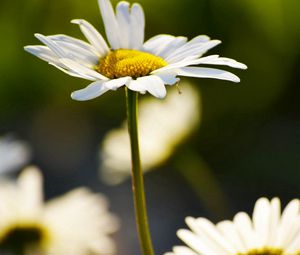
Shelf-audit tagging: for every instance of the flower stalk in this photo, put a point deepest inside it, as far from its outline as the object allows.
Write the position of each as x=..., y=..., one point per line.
x=137, y=174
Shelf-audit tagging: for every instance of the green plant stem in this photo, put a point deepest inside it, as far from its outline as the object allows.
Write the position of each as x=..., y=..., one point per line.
x=137, y=174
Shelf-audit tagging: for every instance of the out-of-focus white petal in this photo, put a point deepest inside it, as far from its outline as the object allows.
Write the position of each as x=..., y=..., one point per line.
x=158, y=137
x=31, y=191
x=92, y=91
x=13, y=154
x=261, y=221
x=93, y=36
x=195, y=242
x=203, y=72
x=80, y=219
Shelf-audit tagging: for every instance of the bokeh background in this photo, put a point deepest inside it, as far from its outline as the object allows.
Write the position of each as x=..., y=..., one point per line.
x=248, y=143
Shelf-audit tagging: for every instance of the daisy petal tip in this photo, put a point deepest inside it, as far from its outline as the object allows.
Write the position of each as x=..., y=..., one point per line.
x=189, y=219
x=76, y=21
x=236, y=80
x=244, y=67
x=76, y=97
x=38, y=35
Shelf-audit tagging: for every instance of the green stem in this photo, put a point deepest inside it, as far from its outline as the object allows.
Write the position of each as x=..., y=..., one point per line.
x=137, y=174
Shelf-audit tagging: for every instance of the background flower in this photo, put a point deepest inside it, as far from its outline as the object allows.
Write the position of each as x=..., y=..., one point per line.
x=77, y=223
x=163, y=125
x=268, y=232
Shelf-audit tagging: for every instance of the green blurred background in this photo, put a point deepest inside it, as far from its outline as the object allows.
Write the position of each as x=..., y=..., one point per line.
x=248, y=144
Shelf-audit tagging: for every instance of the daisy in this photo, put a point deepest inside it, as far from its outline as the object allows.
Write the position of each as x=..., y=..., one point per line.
x=77, y=223
x=268, y=232
x=163, y=125
x=128, y=60
x=13, y=154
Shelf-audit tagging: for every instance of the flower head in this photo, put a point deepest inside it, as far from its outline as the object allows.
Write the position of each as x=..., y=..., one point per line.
x=163, y=125
x=141, y=66
x=268, y=233
x=77, y=223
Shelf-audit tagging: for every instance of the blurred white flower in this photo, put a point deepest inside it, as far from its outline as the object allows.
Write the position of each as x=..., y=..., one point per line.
x=77, y=223
x=13, y=154
x=268, y=233
x=129, y=61
x=162, y=126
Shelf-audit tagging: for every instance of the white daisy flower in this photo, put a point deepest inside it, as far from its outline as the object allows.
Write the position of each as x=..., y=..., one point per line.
x=162, y=126
x=77, y=223
x=13, y=154
x=141, y=66
x=268, y=232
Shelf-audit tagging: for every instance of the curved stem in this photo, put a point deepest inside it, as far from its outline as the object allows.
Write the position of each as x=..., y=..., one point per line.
x=137, y=174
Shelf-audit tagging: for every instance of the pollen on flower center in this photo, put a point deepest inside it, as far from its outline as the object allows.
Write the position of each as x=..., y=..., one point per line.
x=264, y=251
x=134, y=63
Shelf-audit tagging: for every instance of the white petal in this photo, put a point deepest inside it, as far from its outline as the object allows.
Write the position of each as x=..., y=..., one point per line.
x=261, y=221
x=61, y=67
x=42, y=52
x=195, y=242
x=287, y=227
x=244, y=226
x=93, y=36
x=72, y=40
x=168, y=77
x=52, y=45
x=208, y=232
x=157, y=44
x=182, y=250
x=194, y=50
x=110, y=24
x=79, y=54
x=274, y=221
x=154, y=85
x=30, y=182
x=203, y=72
x=195, y=42
x=117, y=83
x=92, y=91
x=221, y=61
x=176, y=43
x=123, y=18
x=137, y=27
x=136, y=86
x=183, y=63
x=231, y=235
x=82, y=70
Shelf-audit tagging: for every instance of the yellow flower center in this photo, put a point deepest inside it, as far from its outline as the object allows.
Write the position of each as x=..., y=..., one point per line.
x=19, y=237
x=133, y=63
x=264, y=251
